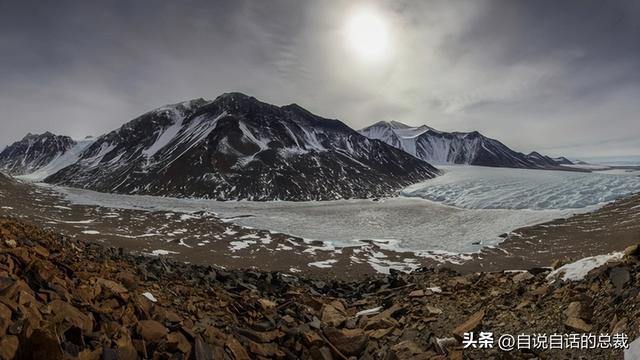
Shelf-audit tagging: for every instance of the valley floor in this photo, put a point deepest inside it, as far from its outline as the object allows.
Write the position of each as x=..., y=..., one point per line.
x=201, y=237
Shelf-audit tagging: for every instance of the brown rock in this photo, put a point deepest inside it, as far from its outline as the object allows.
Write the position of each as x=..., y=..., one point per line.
x=151, y=330
x=8, y=347
x=202, y=351
x=620, y=326
x=433, y=310
x=417, y=293
x=577, y=309
x=312, y=338
x=260, y=336
x=114, y=287
x=266, y=350
x=577, y=324
x=379, y=334
x=631, y=251
x=177, y=340
x=323, y=353
x=236, y=350
x=350, y=342
x=407, y=349
x=471, y=324
x=267, y=304
x=214, y=336
x=5, y=319
x=128, y=280
x=522, y=276
x=332, y=316
x=64, y=311
x=378, y=322
x=42, y=345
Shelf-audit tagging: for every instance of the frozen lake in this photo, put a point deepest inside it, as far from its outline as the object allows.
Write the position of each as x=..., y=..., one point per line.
x=487, y=202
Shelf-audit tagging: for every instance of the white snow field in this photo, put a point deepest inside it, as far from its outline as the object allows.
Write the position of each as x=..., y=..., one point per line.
x=488, y=202
x=475, y=187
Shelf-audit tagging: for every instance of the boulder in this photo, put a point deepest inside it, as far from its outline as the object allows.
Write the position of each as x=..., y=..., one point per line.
x=151, y=330
x=332, y=316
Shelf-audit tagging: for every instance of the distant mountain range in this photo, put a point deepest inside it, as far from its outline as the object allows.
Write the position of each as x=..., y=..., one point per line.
x=470, y=148
x=236, y=147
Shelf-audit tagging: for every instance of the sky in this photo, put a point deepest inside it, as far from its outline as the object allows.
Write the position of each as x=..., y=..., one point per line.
x=560, y=77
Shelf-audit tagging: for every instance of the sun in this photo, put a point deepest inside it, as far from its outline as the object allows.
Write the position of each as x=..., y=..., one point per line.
x=367, y=36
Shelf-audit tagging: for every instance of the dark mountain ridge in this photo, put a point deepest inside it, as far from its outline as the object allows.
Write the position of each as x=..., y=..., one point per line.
x=237, y=147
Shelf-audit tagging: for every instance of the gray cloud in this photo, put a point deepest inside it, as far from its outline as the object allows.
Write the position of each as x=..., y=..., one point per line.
x=560, y=77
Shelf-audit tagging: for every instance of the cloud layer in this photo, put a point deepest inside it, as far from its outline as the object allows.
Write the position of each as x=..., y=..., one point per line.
x=560, y=77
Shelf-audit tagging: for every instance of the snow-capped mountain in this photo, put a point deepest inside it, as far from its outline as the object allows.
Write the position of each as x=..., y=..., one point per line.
x=441, y=147
x=34, y=152
x=237, y=147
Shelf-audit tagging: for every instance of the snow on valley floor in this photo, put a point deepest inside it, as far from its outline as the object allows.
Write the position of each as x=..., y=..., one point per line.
x=487, y=202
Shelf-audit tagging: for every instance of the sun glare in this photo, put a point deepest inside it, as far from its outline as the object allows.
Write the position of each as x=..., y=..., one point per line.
x=367, y=36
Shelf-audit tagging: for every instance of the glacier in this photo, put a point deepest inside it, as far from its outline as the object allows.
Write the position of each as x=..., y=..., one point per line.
x=476, y=187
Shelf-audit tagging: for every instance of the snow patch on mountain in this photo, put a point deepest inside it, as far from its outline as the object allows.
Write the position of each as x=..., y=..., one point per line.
x=59, y=162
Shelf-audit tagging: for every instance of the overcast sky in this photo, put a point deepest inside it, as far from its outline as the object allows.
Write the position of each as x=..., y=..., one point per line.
x=562, y=77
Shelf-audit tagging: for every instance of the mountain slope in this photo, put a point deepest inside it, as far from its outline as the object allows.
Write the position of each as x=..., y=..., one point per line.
x=237, y=147
x=441, y=147
x=34, y=152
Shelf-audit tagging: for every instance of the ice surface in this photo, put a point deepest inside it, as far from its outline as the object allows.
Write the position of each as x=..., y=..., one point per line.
x=396, y=223
x=426, y=227
x=475, y=187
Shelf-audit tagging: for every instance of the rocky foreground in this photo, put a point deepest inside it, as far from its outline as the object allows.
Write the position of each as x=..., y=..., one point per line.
x=63, y=298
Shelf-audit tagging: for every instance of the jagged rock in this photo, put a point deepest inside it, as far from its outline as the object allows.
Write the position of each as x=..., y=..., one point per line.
x=8, y=347
x=408, y=350
x=522, y=276
x=332, y=316
x=178, y=341
x=577, y=324
x=472, y=323
x=266, y=350
x=619, y=277
x=42, y=345
x=579, y=310
x=631, y=251
x=312, y=338
x=5, y=319
x=202, y=351
x=350, y=342
x=64, y=311
x=620, y=326
x=323, y=353
x=236, y=350
x=151, y=330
